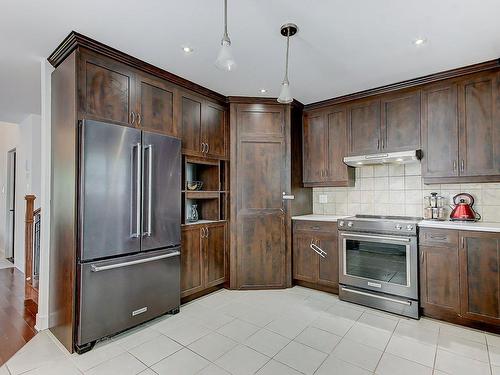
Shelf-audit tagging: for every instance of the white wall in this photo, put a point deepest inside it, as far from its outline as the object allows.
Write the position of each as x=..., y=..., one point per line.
x=9, y=136
x=27, y=181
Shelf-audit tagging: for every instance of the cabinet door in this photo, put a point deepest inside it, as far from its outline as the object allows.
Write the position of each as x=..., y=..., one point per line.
x=215, y=254
x=440, y=131
x=479, y=108
x=337, y=173
x=107, y=89
x=304, y=258
x=192, y=266
x=401, y=121
x=439, y=279
x=314, y=147
x=328, y=268
x=155, y=100
x=214, y=129
x=191, y=119
x=364, y=127
x=480, y=276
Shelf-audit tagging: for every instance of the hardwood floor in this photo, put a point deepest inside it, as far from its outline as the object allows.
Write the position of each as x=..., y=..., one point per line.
x=17, y=318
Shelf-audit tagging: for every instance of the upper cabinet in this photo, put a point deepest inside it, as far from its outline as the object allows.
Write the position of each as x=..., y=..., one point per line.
x=204, y=130
x=386, y=124
x=106, y=89
x=479, y=124
x=364, y=127
x=461, y=130
x=324, y=147
x=112, y=91
x=155, y=105
x=401, y=121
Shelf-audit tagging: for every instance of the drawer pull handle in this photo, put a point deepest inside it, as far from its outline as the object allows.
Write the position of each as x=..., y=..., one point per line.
x=318, y=250
x=315, y=228
x=133, y=262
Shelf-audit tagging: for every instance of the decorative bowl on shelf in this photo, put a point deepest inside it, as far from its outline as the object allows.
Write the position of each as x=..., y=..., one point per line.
x=194, y=185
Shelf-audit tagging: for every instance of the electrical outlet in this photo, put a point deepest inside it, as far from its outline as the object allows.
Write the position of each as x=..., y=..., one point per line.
x=323, y=198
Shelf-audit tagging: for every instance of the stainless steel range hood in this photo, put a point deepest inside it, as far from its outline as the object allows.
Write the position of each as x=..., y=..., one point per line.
x=401, y=157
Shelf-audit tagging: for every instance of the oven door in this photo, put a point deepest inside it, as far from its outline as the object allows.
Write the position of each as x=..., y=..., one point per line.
x=386, y=264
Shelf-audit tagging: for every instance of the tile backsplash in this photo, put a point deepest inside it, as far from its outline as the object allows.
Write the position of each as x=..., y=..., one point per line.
x=398, y=190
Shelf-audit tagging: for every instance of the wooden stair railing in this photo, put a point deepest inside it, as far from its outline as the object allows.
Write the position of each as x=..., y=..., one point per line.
x=31, y=279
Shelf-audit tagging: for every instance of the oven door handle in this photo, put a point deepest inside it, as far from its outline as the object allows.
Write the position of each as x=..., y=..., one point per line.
x=312, y=246
x=401, y=239
x=407, y=303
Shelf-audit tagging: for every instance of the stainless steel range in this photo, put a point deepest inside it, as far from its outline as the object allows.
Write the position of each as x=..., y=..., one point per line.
x=379, y=262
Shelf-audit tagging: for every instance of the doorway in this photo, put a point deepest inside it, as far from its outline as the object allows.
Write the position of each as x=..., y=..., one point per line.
x=11, y=205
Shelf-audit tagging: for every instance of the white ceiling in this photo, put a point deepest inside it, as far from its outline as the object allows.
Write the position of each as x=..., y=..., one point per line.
x=342, y=46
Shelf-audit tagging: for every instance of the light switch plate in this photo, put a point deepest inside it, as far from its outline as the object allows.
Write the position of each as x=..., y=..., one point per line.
x=323, y=198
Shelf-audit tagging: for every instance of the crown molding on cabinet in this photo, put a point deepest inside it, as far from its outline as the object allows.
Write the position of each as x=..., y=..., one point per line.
x=453, y=73
x=76, y=40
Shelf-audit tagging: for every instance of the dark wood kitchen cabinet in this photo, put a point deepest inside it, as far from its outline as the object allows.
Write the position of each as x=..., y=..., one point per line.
x=309, y=268
x=460, y=277
x=324, y=148
x=461, y=130
x=439, y=272
x=156, y=103
x=363, y=127
x=266, y=166
x=203, y=257
x=107, y=89
x=480, y=276
x=400, y=121
x=479, y=124
x=204, y=130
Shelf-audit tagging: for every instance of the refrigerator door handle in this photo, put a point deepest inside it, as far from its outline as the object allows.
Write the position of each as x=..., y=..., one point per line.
x=133, y=262
x=137, y=232
x=150, y=188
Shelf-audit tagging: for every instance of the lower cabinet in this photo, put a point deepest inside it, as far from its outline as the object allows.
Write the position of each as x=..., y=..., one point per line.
x=460, y=276
x=315, y=255
x=203, y=257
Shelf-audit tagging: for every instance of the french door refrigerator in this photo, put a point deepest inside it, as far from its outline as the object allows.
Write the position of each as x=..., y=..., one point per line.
x=129, y=229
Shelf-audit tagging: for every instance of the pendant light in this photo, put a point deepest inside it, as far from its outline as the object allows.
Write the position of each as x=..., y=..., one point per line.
x=287, y=30
x=225, y=60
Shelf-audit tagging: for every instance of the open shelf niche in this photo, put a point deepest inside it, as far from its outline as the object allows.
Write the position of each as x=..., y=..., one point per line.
x=211, y=200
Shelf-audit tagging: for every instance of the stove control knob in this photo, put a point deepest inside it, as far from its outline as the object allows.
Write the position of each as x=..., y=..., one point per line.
x=341, y=223
x=409, y=227
x=399, y=226
x=349, y=224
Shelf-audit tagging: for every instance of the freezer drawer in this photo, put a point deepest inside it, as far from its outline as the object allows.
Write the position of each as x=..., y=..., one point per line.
x=121, y=293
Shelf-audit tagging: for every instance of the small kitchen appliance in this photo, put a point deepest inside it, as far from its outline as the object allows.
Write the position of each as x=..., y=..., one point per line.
x=378, y=257
x=462, y=210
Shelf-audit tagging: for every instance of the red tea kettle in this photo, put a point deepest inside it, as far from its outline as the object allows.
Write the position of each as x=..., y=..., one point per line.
x=463, y=211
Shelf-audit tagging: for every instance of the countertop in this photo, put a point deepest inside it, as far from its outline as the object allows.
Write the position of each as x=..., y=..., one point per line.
x=479, y=226
x=312, y=217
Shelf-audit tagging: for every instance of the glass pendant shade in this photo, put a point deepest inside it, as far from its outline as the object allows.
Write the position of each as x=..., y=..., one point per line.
x=285, y=94
x=225, y=59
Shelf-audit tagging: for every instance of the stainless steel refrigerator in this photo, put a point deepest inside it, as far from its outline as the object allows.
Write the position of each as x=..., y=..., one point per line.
x=129, y=229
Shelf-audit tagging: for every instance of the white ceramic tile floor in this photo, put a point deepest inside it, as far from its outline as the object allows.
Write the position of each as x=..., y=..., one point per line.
x=278, y=332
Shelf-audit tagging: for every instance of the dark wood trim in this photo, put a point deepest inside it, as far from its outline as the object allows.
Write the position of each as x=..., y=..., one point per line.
x=76, y=40
x=202, y=293
x=440, y=314
x=315, y=286
x=259, y=100
x=452, y=73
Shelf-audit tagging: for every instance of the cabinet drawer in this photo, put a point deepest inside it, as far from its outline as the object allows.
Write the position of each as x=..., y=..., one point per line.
x=438, y=237
x=315, y=226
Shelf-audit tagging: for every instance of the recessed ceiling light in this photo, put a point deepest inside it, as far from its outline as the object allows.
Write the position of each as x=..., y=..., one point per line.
x=263, y=91
x=419, y=41
x=187, y=49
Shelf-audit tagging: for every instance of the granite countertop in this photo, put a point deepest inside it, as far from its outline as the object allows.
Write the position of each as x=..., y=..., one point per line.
x=479, y=226
x=312, y=217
